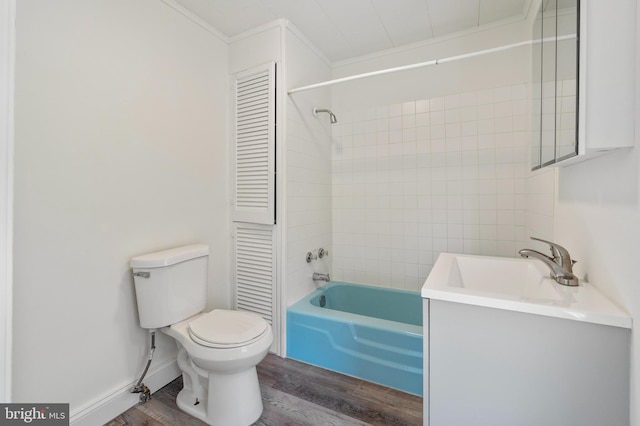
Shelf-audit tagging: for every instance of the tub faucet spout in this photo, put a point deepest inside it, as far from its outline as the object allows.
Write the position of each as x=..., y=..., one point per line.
x=321, y=277
x=560, y=264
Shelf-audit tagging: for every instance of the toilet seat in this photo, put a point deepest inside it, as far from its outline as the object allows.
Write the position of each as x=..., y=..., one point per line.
x=222, y=328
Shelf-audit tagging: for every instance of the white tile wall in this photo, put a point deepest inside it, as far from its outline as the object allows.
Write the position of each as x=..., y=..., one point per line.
x=540, y=205
x=304, y=171
x=308, y=199
x=415, y=179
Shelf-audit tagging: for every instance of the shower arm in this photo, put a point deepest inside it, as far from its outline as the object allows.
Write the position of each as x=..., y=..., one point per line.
x=332, y=116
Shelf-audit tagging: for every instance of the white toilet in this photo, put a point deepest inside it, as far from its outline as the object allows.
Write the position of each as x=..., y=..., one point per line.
x=218, y=350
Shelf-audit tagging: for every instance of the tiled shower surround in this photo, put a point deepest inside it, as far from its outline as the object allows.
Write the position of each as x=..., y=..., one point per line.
x=414, y=179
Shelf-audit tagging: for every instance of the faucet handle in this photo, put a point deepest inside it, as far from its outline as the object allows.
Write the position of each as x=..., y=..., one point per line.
x=560, y=254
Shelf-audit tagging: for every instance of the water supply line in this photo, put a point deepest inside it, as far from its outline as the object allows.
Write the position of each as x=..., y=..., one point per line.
x=141, y=388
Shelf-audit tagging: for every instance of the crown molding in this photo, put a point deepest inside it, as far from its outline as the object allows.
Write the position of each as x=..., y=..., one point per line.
x=173, y=4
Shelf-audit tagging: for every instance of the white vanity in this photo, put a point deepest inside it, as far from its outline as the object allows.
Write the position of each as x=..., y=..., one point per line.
x=507, y=345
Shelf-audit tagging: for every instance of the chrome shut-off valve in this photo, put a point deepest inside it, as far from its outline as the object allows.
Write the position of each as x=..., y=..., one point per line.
x=316, y=254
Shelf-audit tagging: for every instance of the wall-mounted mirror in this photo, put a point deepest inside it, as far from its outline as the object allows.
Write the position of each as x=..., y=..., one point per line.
x=548, y=74
x=567, y=81
x=536, y=91
x=554, y=83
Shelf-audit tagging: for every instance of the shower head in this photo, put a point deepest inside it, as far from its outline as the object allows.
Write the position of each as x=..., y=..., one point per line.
x=332, y=116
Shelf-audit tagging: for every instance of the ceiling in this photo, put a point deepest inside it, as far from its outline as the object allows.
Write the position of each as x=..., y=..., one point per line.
x=343, y=29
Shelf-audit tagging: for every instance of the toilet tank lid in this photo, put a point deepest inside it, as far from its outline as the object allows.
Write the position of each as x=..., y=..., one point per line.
x=169, y=257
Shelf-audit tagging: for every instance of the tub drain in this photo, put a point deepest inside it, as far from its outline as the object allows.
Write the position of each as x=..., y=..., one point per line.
x=323, y=300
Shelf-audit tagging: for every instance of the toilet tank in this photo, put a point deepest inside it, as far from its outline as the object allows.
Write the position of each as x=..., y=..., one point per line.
x=171, y=285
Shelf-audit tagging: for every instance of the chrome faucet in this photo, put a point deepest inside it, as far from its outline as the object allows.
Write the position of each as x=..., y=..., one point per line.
x=321, y=277
x=559, y=262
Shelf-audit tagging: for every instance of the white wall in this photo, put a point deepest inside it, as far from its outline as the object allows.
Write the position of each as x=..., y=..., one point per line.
x=7, y=44
x=598, y=221
x=255, y=47
x=597, y=218
x=121, y=135
x=307, y=189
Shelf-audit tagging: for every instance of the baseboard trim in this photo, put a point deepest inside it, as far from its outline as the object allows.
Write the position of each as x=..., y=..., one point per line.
x=113, y=403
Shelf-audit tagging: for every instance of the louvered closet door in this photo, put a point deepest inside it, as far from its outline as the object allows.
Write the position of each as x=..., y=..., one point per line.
x=255, y=145
x=255, y=269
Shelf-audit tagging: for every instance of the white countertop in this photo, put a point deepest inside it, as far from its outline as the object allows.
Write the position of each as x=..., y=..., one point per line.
x=521, y=285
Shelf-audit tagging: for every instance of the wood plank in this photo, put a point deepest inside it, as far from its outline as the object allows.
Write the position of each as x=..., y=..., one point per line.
x=354, y=397
x=295, y=394
x=281, y=408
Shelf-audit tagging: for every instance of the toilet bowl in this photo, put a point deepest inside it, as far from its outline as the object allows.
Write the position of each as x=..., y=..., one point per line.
x=217, y=351
x=222, y=367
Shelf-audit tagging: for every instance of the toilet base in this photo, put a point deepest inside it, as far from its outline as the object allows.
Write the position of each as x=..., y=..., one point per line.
x=233, y=399
x=186, y=401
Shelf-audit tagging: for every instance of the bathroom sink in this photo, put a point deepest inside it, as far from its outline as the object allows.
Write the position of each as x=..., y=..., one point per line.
x=526, y=280
x=518, y=285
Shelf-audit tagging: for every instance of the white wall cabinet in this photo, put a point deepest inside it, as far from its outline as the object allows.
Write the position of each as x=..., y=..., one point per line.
x=583, y=88
x=488, y=366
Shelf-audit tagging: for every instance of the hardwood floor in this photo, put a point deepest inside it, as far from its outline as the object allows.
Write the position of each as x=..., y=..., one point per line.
x=297, y=394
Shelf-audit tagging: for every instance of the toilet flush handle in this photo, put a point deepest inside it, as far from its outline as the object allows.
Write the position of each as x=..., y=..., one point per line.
x=142, y=274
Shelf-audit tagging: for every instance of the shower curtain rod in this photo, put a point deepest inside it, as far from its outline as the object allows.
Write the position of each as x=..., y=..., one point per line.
x=429, y=63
